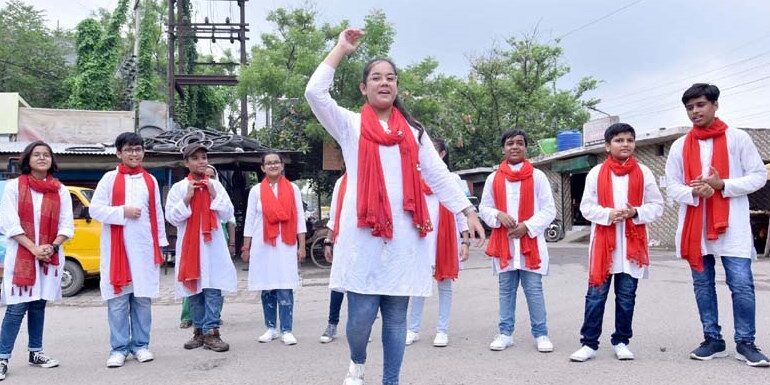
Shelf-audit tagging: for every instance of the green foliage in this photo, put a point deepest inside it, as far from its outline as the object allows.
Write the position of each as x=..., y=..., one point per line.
x=32, y=57
x=93, y=85
x=152, y=57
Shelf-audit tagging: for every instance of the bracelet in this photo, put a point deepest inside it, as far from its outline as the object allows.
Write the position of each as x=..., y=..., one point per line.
x=231, y=244
x=466, y=243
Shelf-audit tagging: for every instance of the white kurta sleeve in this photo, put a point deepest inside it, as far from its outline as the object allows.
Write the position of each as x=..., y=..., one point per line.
x=754, y=172
x=101, y=207
x=653, y=205
x=676, y=187
x=589, y=205
x=301, y=226
x=333, y=208
x=251, y=212
x=487, y=210
x=222, y=203
x=332, y=117
x=177, y=211
x=10, y=224
x=439, y=179
x=66, y=219
x=546, y=208
x=162, y=239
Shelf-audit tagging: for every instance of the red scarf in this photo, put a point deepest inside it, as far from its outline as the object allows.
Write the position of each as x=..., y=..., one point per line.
x=498, y=242
x=202, y=220
x=279, y=214
x=373, y=206
x=120, y=271
x=604, y=236
x=338, y=207
x=447, y=264
x=717, y=206
x=24, y=269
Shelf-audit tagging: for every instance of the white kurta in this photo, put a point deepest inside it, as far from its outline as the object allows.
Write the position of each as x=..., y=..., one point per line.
x=461, y=221
x=650, y=210
x=747, y=174
x=545, y=212
x=47, y=287
x=217, y=269
x=373, y=265
x=333, y=208
x=137, y=235
x=271, y=267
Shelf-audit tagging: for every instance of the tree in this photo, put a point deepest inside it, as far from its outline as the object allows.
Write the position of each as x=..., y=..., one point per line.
x=93, y=85
x=151, y=63
x=32, y=57
x=280, y=68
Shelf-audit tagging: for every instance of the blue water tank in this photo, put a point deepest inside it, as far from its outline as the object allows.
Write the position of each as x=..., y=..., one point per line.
x=566, y=140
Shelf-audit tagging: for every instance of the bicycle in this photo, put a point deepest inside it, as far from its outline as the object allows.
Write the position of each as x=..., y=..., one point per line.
x=316, y=248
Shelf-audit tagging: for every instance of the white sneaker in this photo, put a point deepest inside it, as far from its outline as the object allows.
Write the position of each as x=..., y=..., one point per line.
x=144, y=355
x=544, y=344
x=501, y=342
x=355, y=374
x=623, y=352
x=441, y=340
x=411, y=337
x=583, y=354
x=270, y=334
x=116, y=360
x=288, y=339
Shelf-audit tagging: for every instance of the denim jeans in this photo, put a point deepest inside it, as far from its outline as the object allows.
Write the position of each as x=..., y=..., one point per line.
x=130, y=320
x=444, y=308
x=283, y=299
x=596, y=298
x=741, y=283
x=187, y=315
x=205, y=307
x=335, y=304
x=14, y=314
x=532, y=285
x=362, y=310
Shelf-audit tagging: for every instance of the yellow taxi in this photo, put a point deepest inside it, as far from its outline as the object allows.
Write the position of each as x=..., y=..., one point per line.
x=82, y=251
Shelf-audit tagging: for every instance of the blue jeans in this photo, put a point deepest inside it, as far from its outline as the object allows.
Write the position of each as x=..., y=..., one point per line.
x=596, y=297
x=14, y=314
x=532, y=285
x=362, y=310
x=130, y=320
x=283, y=299
x=205, y=307
x=741, y=284
x=335, y=304
x=444, y=308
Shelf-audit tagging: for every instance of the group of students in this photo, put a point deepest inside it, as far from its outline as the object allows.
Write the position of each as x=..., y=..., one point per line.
x=400, y=220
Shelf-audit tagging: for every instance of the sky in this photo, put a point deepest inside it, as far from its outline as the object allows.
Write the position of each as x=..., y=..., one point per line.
x=644, y=52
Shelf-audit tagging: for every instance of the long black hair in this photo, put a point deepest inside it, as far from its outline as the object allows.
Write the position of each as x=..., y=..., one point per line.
x=396, y=103
x=440, y=145
x=26, y=155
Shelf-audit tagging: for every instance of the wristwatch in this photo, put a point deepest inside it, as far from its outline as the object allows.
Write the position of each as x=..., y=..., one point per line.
x=328, y=242
x=55, y=248
x=466, y=243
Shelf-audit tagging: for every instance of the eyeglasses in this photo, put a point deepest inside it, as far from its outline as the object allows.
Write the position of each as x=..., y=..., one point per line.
x=133, y=150
x=377, y=78
x=273, y=162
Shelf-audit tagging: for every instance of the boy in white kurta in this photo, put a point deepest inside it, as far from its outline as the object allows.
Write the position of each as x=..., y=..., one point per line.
x=711, y=171
x=197, y=205
x=335, y=296
x=620, y=198
x=518, y=205
x=273, y=241
x=381, y=257
x=37, y=218
x=127, y=203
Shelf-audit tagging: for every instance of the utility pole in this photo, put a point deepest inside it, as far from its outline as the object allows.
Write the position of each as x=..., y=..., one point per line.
x=182, y=28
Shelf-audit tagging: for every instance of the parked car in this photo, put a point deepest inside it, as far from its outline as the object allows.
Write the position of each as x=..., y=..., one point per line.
x=82, y=251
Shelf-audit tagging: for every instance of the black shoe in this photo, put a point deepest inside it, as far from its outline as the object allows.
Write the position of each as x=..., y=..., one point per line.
x=747, y=351
x=3, y=368
x=41, y=360
x=709, y=349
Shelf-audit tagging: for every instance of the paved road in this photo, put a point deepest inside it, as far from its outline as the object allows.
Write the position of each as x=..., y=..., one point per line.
x=666, y=329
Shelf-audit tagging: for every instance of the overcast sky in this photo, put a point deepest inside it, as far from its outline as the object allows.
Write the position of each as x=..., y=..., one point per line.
x=645, y=52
